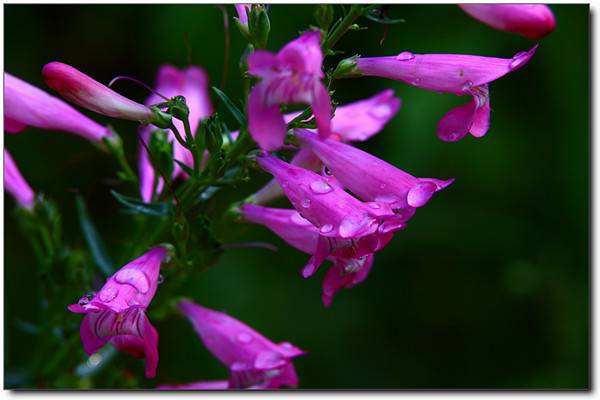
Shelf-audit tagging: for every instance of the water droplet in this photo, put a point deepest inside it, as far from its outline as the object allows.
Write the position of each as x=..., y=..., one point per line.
x=305, y=203
x=94, y=359
x=416, y=81
x=350, y=226
x=382, y=186
x=86, y=298
x=374, y=205
x=518, y=59
x=467, y=86
x=298, y=219
x=135, y=278
x=161, y=279
x=327, y=171
x=107, y=295
x=355, y=264
x=405, y=56
x=244, y=338
x=326, y=228
x=320, y=187
x=267, y=360
x=287, y=346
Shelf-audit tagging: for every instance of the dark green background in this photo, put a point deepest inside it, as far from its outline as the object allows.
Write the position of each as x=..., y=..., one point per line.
x=488, y=288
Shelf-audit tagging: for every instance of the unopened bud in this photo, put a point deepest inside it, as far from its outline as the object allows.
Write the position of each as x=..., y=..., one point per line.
x=324, y=15
x=259, y=26
x=347, y=68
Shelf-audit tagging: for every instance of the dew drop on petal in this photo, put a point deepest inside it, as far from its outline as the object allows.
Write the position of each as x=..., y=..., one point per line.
x=244, y=338
x=86, y=298
x=135, y=278
x=467, y=86
x=107, y=295
x=298, y=219
x=267, y=360
x=326, y=228
x=405, y=56
x=305, y=203
x=161, y=279
x=374, y=205
x=518, y=59
x=320, y=187
x=327, y=171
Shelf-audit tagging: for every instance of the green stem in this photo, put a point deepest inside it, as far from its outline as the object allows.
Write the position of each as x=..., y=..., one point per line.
x=356, y=11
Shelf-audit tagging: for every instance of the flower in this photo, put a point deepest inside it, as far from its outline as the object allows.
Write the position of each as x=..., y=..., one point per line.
x=117, y=312
x=447, y=73
x=352, y=259
x=357, y=121
x=534, y=21
x=88, y=93
x=291, y=76
x=253, y=360
x=327, y=206
x=191, y=83
x=16, y=185
x=242, y=12
x=371, y=178
x=26, y=105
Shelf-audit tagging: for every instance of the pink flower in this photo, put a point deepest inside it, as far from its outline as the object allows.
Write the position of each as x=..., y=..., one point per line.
x=191, y=83
x=534, y=21
x=117, y=312
x=357, y=121
x=253, y=360
x=242, y=12
x=371, y=178
x=448, y=73
x=352, y=259
x=291, y=76
x=26, y=105
x=79, y=88
x=327, y=206
x=15, y=184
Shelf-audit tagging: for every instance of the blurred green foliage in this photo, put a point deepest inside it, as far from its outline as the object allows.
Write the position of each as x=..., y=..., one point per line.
x=487, y=288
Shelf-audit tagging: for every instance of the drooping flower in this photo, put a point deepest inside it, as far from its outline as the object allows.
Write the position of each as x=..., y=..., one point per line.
x=292, y=76
x=369, y=177
x=26, y=105
x=353, y=122
x=534, y=21
x=351, y=258
x=191, y=83
x=79, y=88
x=327, y=206
x=253, y=360
x=117, y=313
x=447, y=73
x=15, y=184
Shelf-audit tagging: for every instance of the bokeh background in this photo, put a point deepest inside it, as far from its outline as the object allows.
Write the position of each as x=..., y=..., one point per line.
x=489, y=286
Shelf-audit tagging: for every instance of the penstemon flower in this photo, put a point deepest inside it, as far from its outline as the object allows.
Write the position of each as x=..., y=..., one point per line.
x=253, y=360
x=117, y=313
x=15, y=184
x=534, y=21
x=353, y=122
x=352, y=259
x=448, y=73
x=191, y=83
x=79, y=88
x=26, y=105
x=292, y=76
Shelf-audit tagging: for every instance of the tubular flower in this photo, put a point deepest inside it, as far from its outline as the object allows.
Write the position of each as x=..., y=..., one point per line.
x=253, y=360
x=79, y=88
x=291, y=76
x=447, y=73
x=327, y=206
x=371, y=178
x=353, y=122
x=191, y=83
x=26, y=105
x=15, y=184
x=351, y=259
x=242, y=12
x=117, y=313
x=534, y=21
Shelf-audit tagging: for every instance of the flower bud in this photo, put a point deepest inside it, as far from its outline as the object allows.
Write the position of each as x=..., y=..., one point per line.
x=259, y=26
x=347, y=68
x=162, y=151
x=324, y=15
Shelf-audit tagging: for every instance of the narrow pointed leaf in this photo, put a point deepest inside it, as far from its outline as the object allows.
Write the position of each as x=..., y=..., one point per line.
x=94, y=241
x=155, y=209
x=233, y=109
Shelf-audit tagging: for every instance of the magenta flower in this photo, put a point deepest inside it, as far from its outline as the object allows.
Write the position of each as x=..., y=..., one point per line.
x=327, y=206
x=448, y=73
x=534, y=21
x=357, y=121
x=351, y=259
x=242, y=12
x=16, y=185
x=291, y=76
x=253, y=360
x=191, y=83
x=117, y=313
x=26, y=105
x=79, y=88
x=369, y=177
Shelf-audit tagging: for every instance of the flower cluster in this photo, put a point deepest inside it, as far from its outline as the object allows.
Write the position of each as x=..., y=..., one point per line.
x=346, y=204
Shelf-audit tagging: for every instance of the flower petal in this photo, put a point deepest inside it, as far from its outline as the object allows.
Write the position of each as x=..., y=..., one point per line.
x=265, y=122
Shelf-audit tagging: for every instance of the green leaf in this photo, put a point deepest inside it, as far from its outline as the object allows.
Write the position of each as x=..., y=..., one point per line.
x=155, y=209
x=237, y=114
x=184, y=167
x=94, y=242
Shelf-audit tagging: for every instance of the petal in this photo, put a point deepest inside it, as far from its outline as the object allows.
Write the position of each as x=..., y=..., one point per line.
x=265, y=123
x=345, y=274
x=321, y=252
x=13, y=126
x=303, y=54
x=15, y=184
x=321, y=106
x=261, y=62
x=457, y=122
x=202, y=385
x=481, y=120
